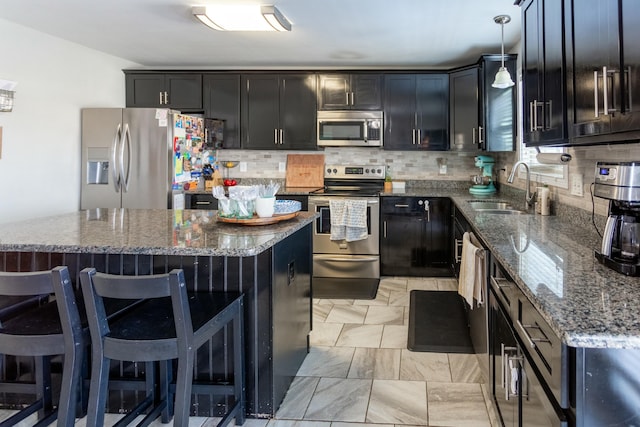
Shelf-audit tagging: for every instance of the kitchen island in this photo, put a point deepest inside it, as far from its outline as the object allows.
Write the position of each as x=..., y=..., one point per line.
x=270, y=264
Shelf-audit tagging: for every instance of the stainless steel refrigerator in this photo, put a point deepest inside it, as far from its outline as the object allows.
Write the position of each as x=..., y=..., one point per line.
x=131, y=157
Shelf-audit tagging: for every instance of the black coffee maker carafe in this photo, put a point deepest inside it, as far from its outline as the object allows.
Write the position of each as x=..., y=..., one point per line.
x=620, y=183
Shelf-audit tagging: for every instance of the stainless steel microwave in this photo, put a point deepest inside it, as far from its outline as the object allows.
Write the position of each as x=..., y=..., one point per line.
x=350, y=128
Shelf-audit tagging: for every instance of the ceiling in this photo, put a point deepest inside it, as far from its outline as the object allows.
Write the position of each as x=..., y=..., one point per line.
x=325, y=34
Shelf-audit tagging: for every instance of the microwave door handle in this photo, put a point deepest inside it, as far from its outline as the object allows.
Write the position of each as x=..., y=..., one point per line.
x=115, y=148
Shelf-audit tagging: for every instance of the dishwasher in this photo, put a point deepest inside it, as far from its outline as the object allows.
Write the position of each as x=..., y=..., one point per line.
x=529, y=363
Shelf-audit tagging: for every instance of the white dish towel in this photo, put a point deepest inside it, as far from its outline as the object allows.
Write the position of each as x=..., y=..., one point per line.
x=348, y=219
x=472, y=281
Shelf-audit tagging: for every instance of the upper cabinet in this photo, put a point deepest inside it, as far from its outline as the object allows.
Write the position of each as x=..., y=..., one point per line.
x=279, y=111
x=482, y=118
x=580, y=65
x=416, y=112
x=544, y=73
x=605, y=65
x=181, y=91
x=221, y=101
x=350, y=91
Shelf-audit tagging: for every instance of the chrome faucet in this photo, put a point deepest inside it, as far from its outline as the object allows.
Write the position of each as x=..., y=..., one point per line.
x=528, y=196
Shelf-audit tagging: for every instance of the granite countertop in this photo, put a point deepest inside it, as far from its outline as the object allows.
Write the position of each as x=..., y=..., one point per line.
x=551, y=258
x=552, y=261
x=145, y=231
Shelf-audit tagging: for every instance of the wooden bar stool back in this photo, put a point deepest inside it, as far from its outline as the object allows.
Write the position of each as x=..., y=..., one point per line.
x=49, y=329
x=170, y=324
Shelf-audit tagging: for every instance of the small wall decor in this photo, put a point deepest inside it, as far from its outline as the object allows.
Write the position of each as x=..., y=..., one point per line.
x=7, y=91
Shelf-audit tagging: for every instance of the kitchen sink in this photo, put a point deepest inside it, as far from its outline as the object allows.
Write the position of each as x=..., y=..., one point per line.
x=495, y=207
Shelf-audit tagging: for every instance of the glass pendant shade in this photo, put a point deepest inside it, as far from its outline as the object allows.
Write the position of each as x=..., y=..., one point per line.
x=503, y=79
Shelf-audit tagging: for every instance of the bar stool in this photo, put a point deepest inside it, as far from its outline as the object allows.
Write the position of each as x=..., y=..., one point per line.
x=170, y=324
x=53, y=328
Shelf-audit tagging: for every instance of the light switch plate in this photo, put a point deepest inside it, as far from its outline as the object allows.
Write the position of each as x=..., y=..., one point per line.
x=576, y=184
x=243, y=166
x=282, y=166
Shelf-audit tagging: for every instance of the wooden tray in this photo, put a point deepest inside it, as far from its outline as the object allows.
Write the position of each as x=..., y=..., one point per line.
x=256, y=220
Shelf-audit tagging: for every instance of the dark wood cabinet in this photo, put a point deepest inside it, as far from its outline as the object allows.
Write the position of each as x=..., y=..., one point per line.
x=415, y=236
x=416, y=112
x=181, y=91
x=349, y=91
x=498, y=125
x=278, y=112
x=605, y=63
x=482, y=118
x=221, y=101
x=464, y=109
x=544, y=73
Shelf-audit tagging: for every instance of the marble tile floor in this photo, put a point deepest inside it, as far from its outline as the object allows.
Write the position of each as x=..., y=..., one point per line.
x=359, y=373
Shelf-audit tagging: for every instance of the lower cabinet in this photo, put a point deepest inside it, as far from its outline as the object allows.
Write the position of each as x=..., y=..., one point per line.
x=415, y=236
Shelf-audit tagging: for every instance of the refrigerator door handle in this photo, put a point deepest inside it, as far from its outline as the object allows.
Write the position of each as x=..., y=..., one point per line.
x=115, y=149
x=126, y=142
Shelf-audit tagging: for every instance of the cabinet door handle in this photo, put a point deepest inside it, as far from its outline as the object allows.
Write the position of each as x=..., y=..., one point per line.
x=419, y=136
x=595, y=94
x=353, y=99
x=281, y=136
x=166, y=98
x=547, y=123
x=626, y=77
x=413, y=137
x=161, y=99
x=347, y=102
x=473, y=135
x=426, y=209
x=384, y=229
x=480, y=137
x=605, y=90
x=275, y=136
x=531, y=125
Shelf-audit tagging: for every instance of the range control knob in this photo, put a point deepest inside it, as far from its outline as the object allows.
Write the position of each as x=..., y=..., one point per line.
x=329, y=170
x=379, y=171
x=366, y=170
x=335, y=170
x=420, y=202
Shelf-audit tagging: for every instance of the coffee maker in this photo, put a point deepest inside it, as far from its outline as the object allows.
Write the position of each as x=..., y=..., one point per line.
x=620, y=183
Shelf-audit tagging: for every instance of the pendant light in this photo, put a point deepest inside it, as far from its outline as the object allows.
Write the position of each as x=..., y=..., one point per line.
x=503, y=78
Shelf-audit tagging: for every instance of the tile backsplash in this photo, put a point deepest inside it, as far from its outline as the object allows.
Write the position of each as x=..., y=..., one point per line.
x=424, y=165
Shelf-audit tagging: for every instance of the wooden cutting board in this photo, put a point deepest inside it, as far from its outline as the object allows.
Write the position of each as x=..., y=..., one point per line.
x=305, y=170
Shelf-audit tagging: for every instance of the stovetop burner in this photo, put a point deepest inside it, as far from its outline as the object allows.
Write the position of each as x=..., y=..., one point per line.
x=353, y=180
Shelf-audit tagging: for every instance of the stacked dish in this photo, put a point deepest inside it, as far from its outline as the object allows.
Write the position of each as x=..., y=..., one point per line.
x=287, y=206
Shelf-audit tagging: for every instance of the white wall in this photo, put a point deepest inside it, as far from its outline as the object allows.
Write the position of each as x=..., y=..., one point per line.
x=40, y=157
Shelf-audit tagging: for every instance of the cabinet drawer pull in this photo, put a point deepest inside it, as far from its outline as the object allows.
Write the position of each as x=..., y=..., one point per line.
x=530, y=340
x=203, y=203
x=457, y=248
x=401, y=206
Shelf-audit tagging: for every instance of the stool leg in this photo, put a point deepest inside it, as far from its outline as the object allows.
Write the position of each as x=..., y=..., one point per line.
x=165, y=380
x=98, y=391
x=43, y=384
x=70, y=385
x=184, y=379
x=238, y=364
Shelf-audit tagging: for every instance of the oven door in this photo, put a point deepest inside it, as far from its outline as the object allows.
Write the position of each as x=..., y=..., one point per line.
x=322, y=243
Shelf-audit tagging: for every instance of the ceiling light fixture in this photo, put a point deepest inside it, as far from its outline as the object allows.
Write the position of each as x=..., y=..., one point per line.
x=503, y=78
x=242, y=17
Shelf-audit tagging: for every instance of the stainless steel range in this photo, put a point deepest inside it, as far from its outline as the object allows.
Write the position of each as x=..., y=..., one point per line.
x=341, y=268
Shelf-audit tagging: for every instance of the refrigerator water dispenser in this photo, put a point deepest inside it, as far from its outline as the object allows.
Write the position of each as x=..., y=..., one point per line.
x=97, y=172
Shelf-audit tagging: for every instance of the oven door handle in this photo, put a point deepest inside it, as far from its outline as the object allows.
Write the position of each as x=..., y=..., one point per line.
x=359, y=259
x=325, y=201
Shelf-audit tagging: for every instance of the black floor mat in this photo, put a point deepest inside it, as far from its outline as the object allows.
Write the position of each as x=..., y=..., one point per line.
x=332, y=288
x=438, y=323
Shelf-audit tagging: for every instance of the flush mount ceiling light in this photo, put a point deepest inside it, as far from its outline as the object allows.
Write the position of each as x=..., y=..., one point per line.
x=242, y=17
x=503, y=78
